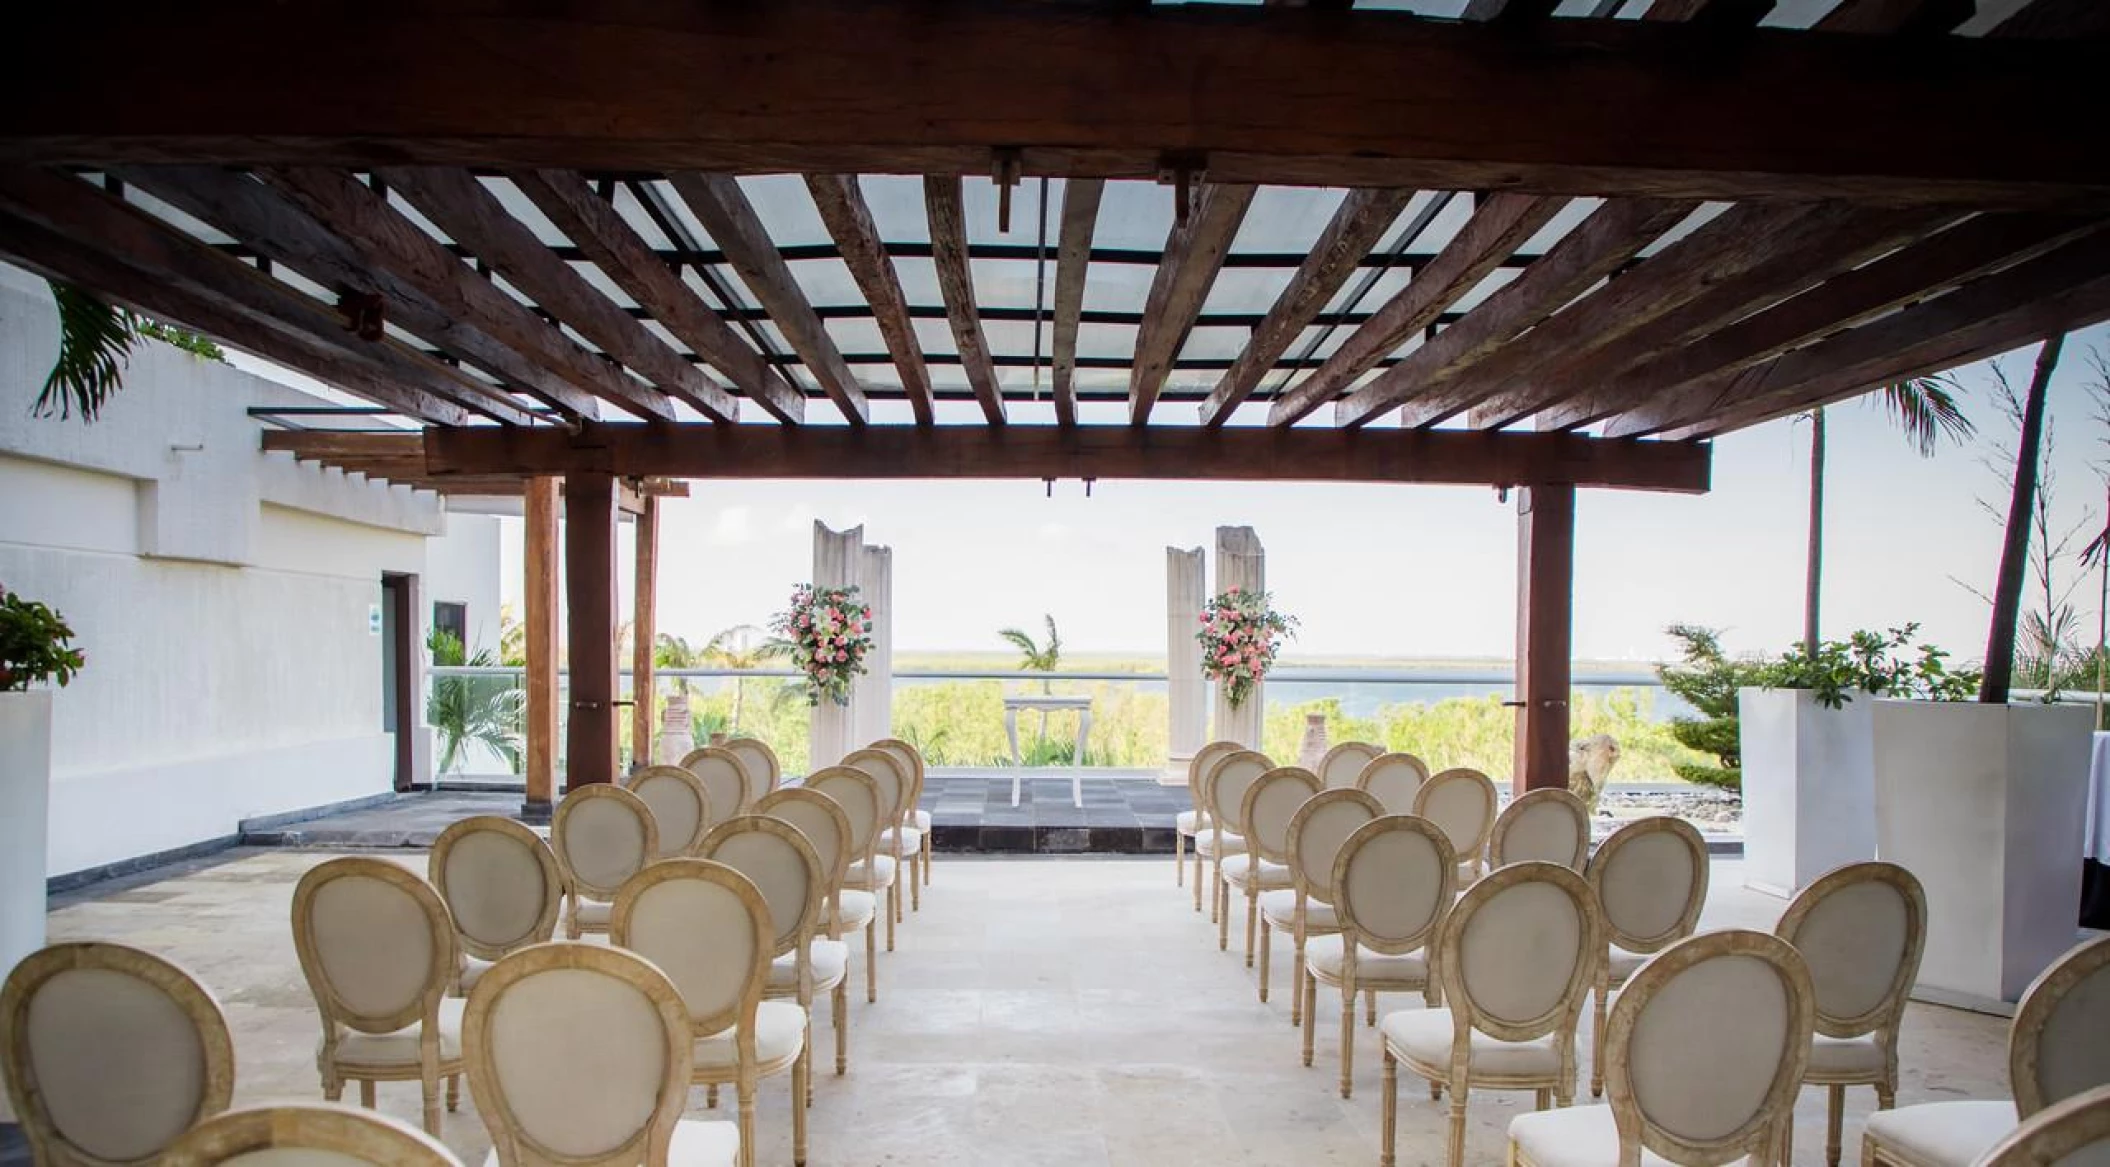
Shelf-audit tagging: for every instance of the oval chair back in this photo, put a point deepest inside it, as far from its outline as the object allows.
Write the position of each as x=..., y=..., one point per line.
x=707, y=927
x=681, y=807
x=1318, y=831
x=2056, y=1048
x=819, y=818
x=2072, y=1133
x=1517, y=954
x=890, y=777
x=110, y=1053
x=1344, y=763
x=1548, y=825
x=375, y=943
x=1861, y=929
x=313, y=1133
x=1708, y=1045
x=764, y=772
x=1200, y=770
x=1651, y=881
x=725, y=778
x=501, y=884
x=1462, y=802
x=1395, y=779
x=854, y=791
x=1235, y=774
x=544, y=1012
x=781, y=863
x=1271, y=802
x=602, y=835
x=910, y=761
x=1393, y=885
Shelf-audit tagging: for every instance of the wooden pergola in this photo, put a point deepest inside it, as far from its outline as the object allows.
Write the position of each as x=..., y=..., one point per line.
x=1507, y=242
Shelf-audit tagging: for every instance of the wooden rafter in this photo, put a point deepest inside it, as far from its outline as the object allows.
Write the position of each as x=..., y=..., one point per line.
x=948, y=241
x=1422, y=382
x=70, y=230
x=842, y=206
x=1102, y=452
x=1080, y=217
x=1194, y=253
x=1360, y=222
x=1500, y=224
x=600, y=231
x=1897, y=17
x=718, y=203
x=459, y=204
x=1268, y=95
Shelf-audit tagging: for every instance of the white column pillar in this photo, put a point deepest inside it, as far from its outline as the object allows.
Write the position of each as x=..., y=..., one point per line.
x=874, y=703
x=1241, y=563
x=1185, y=587
x=838, y=561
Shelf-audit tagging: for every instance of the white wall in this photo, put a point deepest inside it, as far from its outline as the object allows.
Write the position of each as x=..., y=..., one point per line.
x=461, y=567
x=221, y=595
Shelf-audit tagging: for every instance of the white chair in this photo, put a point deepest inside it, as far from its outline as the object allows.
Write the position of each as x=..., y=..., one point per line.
x=895, y=844
x=306, y=1133
x=779, y=860
x=855, y=908
x=1708, y=1045
x=1208, y=838
x=1395, y=779
x=2072, y=1133
x=1316, y=832
x=1344, y=763
x=535, y=1024
x=1462, y=802
x=1651, y=881
x=1392, y=886
x=1225, y=838
x=1263, y=818
x=1862, y=929
x=110, y=1053
x=708, y=929
x=731, y=788
x=681, y=807
x=1548, y=825
x=502, y=886
x=2055, y=1050
x=764, y=772
x=1195, y=819
x=377, y=947
x=602, y=835
x=914, y=817
x=827, y=828
x=1515, y=957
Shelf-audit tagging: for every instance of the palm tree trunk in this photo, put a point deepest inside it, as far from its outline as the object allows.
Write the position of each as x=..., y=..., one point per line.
x=1813, y=572
x=2014, y=554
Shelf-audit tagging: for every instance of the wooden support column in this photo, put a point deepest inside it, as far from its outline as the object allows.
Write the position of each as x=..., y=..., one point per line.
x=539, y=610
x=1545, y=612
x=589, y=582
x=644, y=625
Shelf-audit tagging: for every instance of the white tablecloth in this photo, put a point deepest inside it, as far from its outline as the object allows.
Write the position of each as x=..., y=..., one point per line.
x=2096, y=834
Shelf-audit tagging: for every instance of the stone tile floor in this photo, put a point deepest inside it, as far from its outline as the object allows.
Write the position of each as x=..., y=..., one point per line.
x=1037, y=1011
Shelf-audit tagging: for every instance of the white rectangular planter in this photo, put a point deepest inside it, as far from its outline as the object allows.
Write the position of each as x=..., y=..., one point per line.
x=25, y=799
x=1809, y=787
x=1984, y=804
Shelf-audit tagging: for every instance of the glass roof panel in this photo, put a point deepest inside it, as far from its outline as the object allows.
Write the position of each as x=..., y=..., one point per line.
x=1215, y=344
x=856, y=336
x=604, y=283
x=1115, y=341
x=936, y=337
x=1014, y=338
x=424, y=224
x=919, y=281
x=1563, y=221
x=978, y=197
x=522, y=208
x=677, y=209
x=1010, y=283
x=786, y=210
x=194, y=228
x=897, y=208
x=1247, y=289
x=1489, y=284
x=1456, y=211
x=1389, y=283
x=1286, y=218
x=1415, y=207
x=1117, y=287
x=1707, y=213
x=633, y=213
x=1134, y=214
x=827, y=283
x=660, y=330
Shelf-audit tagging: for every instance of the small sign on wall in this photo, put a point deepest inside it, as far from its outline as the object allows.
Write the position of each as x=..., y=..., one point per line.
x=373, y=619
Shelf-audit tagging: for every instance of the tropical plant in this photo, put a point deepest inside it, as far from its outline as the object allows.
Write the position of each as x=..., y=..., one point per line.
x=830, y=631
x=482, y=710
x=36, y=645
x=1708, y=679
x=1880, y=664
x=1925, y=409
x=1034, y=658
x=512, y=638
x=1240, y=635
x=95, y=344
x=744, y=647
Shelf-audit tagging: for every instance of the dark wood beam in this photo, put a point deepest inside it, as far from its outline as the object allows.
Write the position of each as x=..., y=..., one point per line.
x=1265, y=95
x=643, y=631
x=1500, y=224
x=1080, y=217
x=68, y=230
x=539, y=614
x=1360, y=222
x=324, y=445
x=842, y=206
x=2058, y=292
x=1689, y=381
x=948, y=241
x=459, y=204
x=589, y=597
x=283, y=233
x=1422, y=383
x=1194, y=253
x=1303, y=454
x=2077, y=19
x=600, y=231
x=1732, y=263
x=390, y=243
x=1516, y=12
x=718, y=203
x=1545, y=619
x=1897, y=17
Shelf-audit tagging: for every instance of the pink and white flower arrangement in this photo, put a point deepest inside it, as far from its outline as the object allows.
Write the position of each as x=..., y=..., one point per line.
x=830, y=631
x=1240, y=635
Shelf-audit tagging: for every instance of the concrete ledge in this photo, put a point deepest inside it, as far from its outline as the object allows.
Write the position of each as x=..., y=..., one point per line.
x=266, y=824
x=87, y=876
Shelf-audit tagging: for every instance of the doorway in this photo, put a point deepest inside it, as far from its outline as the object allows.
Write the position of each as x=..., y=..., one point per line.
x=399, y=674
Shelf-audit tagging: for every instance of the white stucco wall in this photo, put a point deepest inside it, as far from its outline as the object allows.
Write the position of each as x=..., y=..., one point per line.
x=461, y=567
x=221, y=595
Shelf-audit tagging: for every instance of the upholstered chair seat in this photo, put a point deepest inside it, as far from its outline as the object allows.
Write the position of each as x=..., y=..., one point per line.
x=1937, y=1134
x=780, y=1033
x=399, y=1047
x=856, y=909
x=473, y=969
x=1210, y=842
x=1845, y=1055
x=1236, y=773
x=1374, y=971
x=830, y=964
x=590, y=916
x=877, y=874
x=1424, y=1037
x=1273, y=876
x=1623, y=964
x=1278, y=909
x=1579, y=1136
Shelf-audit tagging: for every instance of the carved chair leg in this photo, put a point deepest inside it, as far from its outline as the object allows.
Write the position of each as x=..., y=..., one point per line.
x=454, y=1093
x=1265, y=933
x=431, y=1089
x=1347, y=1041
x=1833, y=1106
x=800, y=1075
x=1179, y=859
x=1455, y=1152
x=1597, y=1019
x=366, y=1093
x=871, y=962
x=1252, y=918
x=1388, y=1112
x=842, y=1027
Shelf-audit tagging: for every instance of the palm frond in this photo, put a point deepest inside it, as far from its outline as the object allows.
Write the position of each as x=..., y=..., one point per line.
x=1927, y=410
x=1054, y=652
x=1019, y=640
x=95, y=342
